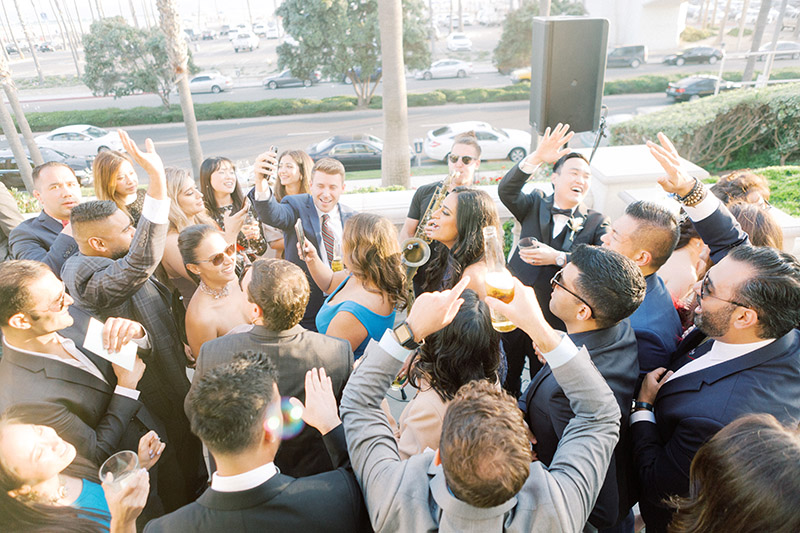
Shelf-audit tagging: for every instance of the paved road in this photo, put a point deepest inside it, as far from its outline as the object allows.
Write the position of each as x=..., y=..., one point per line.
x=242, y=139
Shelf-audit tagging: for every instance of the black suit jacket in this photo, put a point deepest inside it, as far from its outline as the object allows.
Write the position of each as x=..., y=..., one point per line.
x=40, y=239
x=81, y=408
x=284, y=215
x=330, y=502
x=294, y=351
x=532, y=210
x=547, y=412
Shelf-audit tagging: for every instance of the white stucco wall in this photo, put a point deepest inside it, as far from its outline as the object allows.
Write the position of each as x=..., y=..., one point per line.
x=656, y=24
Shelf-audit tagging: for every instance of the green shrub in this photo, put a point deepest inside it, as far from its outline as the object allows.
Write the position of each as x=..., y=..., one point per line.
x=26, y=203
x=711, y=131
x=651, y=83
x=734, y=32
x=691, y=35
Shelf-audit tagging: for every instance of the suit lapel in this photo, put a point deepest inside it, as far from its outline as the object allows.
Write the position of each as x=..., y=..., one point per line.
x=55, y=370
x=537, y=380
x=546, y=220
x=246, y=499
x=311, y=220
x=579, y=219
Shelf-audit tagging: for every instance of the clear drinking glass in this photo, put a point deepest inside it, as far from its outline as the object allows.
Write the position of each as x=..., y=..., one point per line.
x=122, y=466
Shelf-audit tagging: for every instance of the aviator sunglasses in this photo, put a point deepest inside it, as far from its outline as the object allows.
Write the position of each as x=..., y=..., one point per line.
x=217, y=259
x=466, y=159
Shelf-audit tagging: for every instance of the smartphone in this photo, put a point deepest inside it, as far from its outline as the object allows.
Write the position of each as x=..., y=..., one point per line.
x=301, y=238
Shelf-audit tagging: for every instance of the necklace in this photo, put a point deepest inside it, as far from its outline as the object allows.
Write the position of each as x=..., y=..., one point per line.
x=214, y=293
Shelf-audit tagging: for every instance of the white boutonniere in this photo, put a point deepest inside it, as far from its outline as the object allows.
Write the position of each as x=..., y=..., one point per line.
x=574, y=224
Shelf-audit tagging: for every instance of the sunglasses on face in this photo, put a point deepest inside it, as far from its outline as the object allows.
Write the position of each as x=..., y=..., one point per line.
x=218, y=259
x=466, y=159
x=557, y=281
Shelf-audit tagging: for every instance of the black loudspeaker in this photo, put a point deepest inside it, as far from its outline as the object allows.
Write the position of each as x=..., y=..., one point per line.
x=568, y=66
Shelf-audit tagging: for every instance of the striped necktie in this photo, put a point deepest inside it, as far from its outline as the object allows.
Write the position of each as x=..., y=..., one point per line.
x=327, y=237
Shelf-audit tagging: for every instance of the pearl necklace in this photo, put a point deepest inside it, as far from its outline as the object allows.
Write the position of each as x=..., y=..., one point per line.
x=214, y=293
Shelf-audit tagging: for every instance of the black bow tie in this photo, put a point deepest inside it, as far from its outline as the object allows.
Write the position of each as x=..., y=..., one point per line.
x=557, y=211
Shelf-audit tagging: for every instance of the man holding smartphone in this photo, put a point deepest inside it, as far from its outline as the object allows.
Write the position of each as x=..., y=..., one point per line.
x=321, y=216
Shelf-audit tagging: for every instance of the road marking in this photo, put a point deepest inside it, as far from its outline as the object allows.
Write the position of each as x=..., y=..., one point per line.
x=307, y=133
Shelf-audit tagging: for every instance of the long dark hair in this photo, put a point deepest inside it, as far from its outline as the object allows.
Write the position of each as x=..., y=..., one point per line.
x=209, y=166
x=465, y=350
x=34, y=516
x=474, y=211
x=745, y=479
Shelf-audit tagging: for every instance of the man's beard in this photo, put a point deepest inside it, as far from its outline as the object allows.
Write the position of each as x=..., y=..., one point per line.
x=714, y=324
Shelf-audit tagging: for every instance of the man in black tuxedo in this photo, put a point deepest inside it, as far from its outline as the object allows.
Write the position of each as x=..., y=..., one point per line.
x=558, y=222
x=593, y=294
x=748, y=309
x=48, y=237
x=322, y=215
x=236, y=411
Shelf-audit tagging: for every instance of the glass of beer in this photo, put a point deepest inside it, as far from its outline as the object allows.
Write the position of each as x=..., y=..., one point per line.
x=499, y=283
x=337, y=264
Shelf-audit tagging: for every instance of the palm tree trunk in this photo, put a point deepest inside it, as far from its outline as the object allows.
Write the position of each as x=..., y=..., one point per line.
x=31, y=43
x=11, y=93
x=395, y=164
x=91, y=9
x=45, y=35
x=721, y=36
x=133, y=14
x=100, y=13
x=78, y=16
x=713, y=14
x=72, y=46
x=758, y=34
x=741, y=25
x=7, y=125
x=11, y=31
x=178, y=57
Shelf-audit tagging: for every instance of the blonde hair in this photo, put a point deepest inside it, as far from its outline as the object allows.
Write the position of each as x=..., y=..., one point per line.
x=178, y=220
x=105, y=170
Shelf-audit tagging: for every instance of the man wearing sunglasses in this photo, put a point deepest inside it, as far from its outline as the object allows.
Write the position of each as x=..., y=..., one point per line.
x=113, y=275
x=464, y=159
x=557, y=222
x=593, y=295
x=748, y=309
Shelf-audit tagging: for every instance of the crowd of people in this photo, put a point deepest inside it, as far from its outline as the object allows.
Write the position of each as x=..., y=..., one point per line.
x=269, y=324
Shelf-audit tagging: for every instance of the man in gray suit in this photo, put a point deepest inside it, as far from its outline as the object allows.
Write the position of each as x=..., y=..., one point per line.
x=481, y=478
x=113, y=276
x=48, y=237
x=280, y=290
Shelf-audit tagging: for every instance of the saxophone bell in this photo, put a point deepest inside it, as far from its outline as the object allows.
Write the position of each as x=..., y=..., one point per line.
x=416, y=252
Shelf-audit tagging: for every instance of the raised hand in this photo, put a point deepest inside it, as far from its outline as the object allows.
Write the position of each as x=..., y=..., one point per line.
x=149, y=160
x=551, y=146
x=264, y=168
x=125, y=503
x=150, y=449
x=235, y=222
x=434, y=310
x=677, y=180
x=320, y=410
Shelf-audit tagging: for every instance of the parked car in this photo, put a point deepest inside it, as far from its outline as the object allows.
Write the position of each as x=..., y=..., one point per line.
x=11, y=49
x=260, y=30
x=208, y=35
x=521, y=74
x=273, y=32
x=80, y=140
x=697, y=54
x=245, y=41
x=445, y=68
x=784, y=50
x=11, y=177
x=496, y=143
x=286, y=78
x=45, y=47
x=375, y=76
x=458, y=42
x=355, y=152
x=695, y=87
x=627, y=56
x=213, y=82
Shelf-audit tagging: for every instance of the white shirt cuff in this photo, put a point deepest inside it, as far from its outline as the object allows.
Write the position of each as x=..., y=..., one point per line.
x=562, y=353
x=704, y=209
x=528, y=169
x=156, y=211
x=263, y=196
x=390, y=345
x=144, y=342
x=643, y=416
x=133, y=394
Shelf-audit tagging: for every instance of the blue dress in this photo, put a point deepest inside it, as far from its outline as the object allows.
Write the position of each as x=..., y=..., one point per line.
x=374, y=323
x=92, y=498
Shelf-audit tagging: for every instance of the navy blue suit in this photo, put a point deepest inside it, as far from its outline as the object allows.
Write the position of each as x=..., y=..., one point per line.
x=657, y=326
x=40, y=239
x=283, y=216
x=547, y=412
x=691, y=408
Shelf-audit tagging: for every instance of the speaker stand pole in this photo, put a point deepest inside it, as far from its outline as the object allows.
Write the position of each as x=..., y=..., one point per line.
x=534, y=139
x=601, y=132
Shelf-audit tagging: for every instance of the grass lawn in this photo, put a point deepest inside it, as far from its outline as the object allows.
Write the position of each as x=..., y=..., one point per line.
x=784, y=186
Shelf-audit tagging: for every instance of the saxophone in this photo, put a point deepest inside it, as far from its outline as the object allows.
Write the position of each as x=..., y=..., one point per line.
x=416, y=250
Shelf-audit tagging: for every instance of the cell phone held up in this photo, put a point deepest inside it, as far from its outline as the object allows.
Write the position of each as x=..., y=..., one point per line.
x=301, y=238
x=273, y=176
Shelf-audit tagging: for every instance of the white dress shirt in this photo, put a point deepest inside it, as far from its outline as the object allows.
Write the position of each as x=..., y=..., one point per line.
x=334, y=224
x=156, y=211
x=244, y=481
x=559, y=221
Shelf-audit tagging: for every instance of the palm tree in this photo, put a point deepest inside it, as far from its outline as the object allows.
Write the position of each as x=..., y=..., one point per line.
x=11, y=93
x=170, y=23
x=758, y=34
x=77, y=16
x=724, y=21
x=396, y=169
x=7, y=125
x=11, y=31
x=742, y=21
x=133, y=14
x=66, y=33
x=31, y=43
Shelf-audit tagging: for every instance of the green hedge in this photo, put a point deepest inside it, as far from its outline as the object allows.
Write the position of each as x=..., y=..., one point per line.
x=717, y=130
x=656, y=83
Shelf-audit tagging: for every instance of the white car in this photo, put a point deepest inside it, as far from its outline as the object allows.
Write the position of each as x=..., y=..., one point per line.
x=496, y=143
x=446, y=68
x=80, y=140
x=245, y=41
x=458, y=41
x=213, y=82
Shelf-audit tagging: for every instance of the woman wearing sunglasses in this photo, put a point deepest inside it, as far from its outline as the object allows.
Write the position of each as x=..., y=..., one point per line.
x=186, y=208
x=362, y=297
x=218, y=304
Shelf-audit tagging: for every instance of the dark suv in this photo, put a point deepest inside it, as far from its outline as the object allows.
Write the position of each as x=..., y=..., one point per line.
x=627, y=56
x=10, y=176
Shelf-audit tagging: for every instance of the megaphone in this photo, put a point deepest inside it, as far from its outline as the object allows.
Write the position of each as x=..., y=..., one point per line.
x=416, y=252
